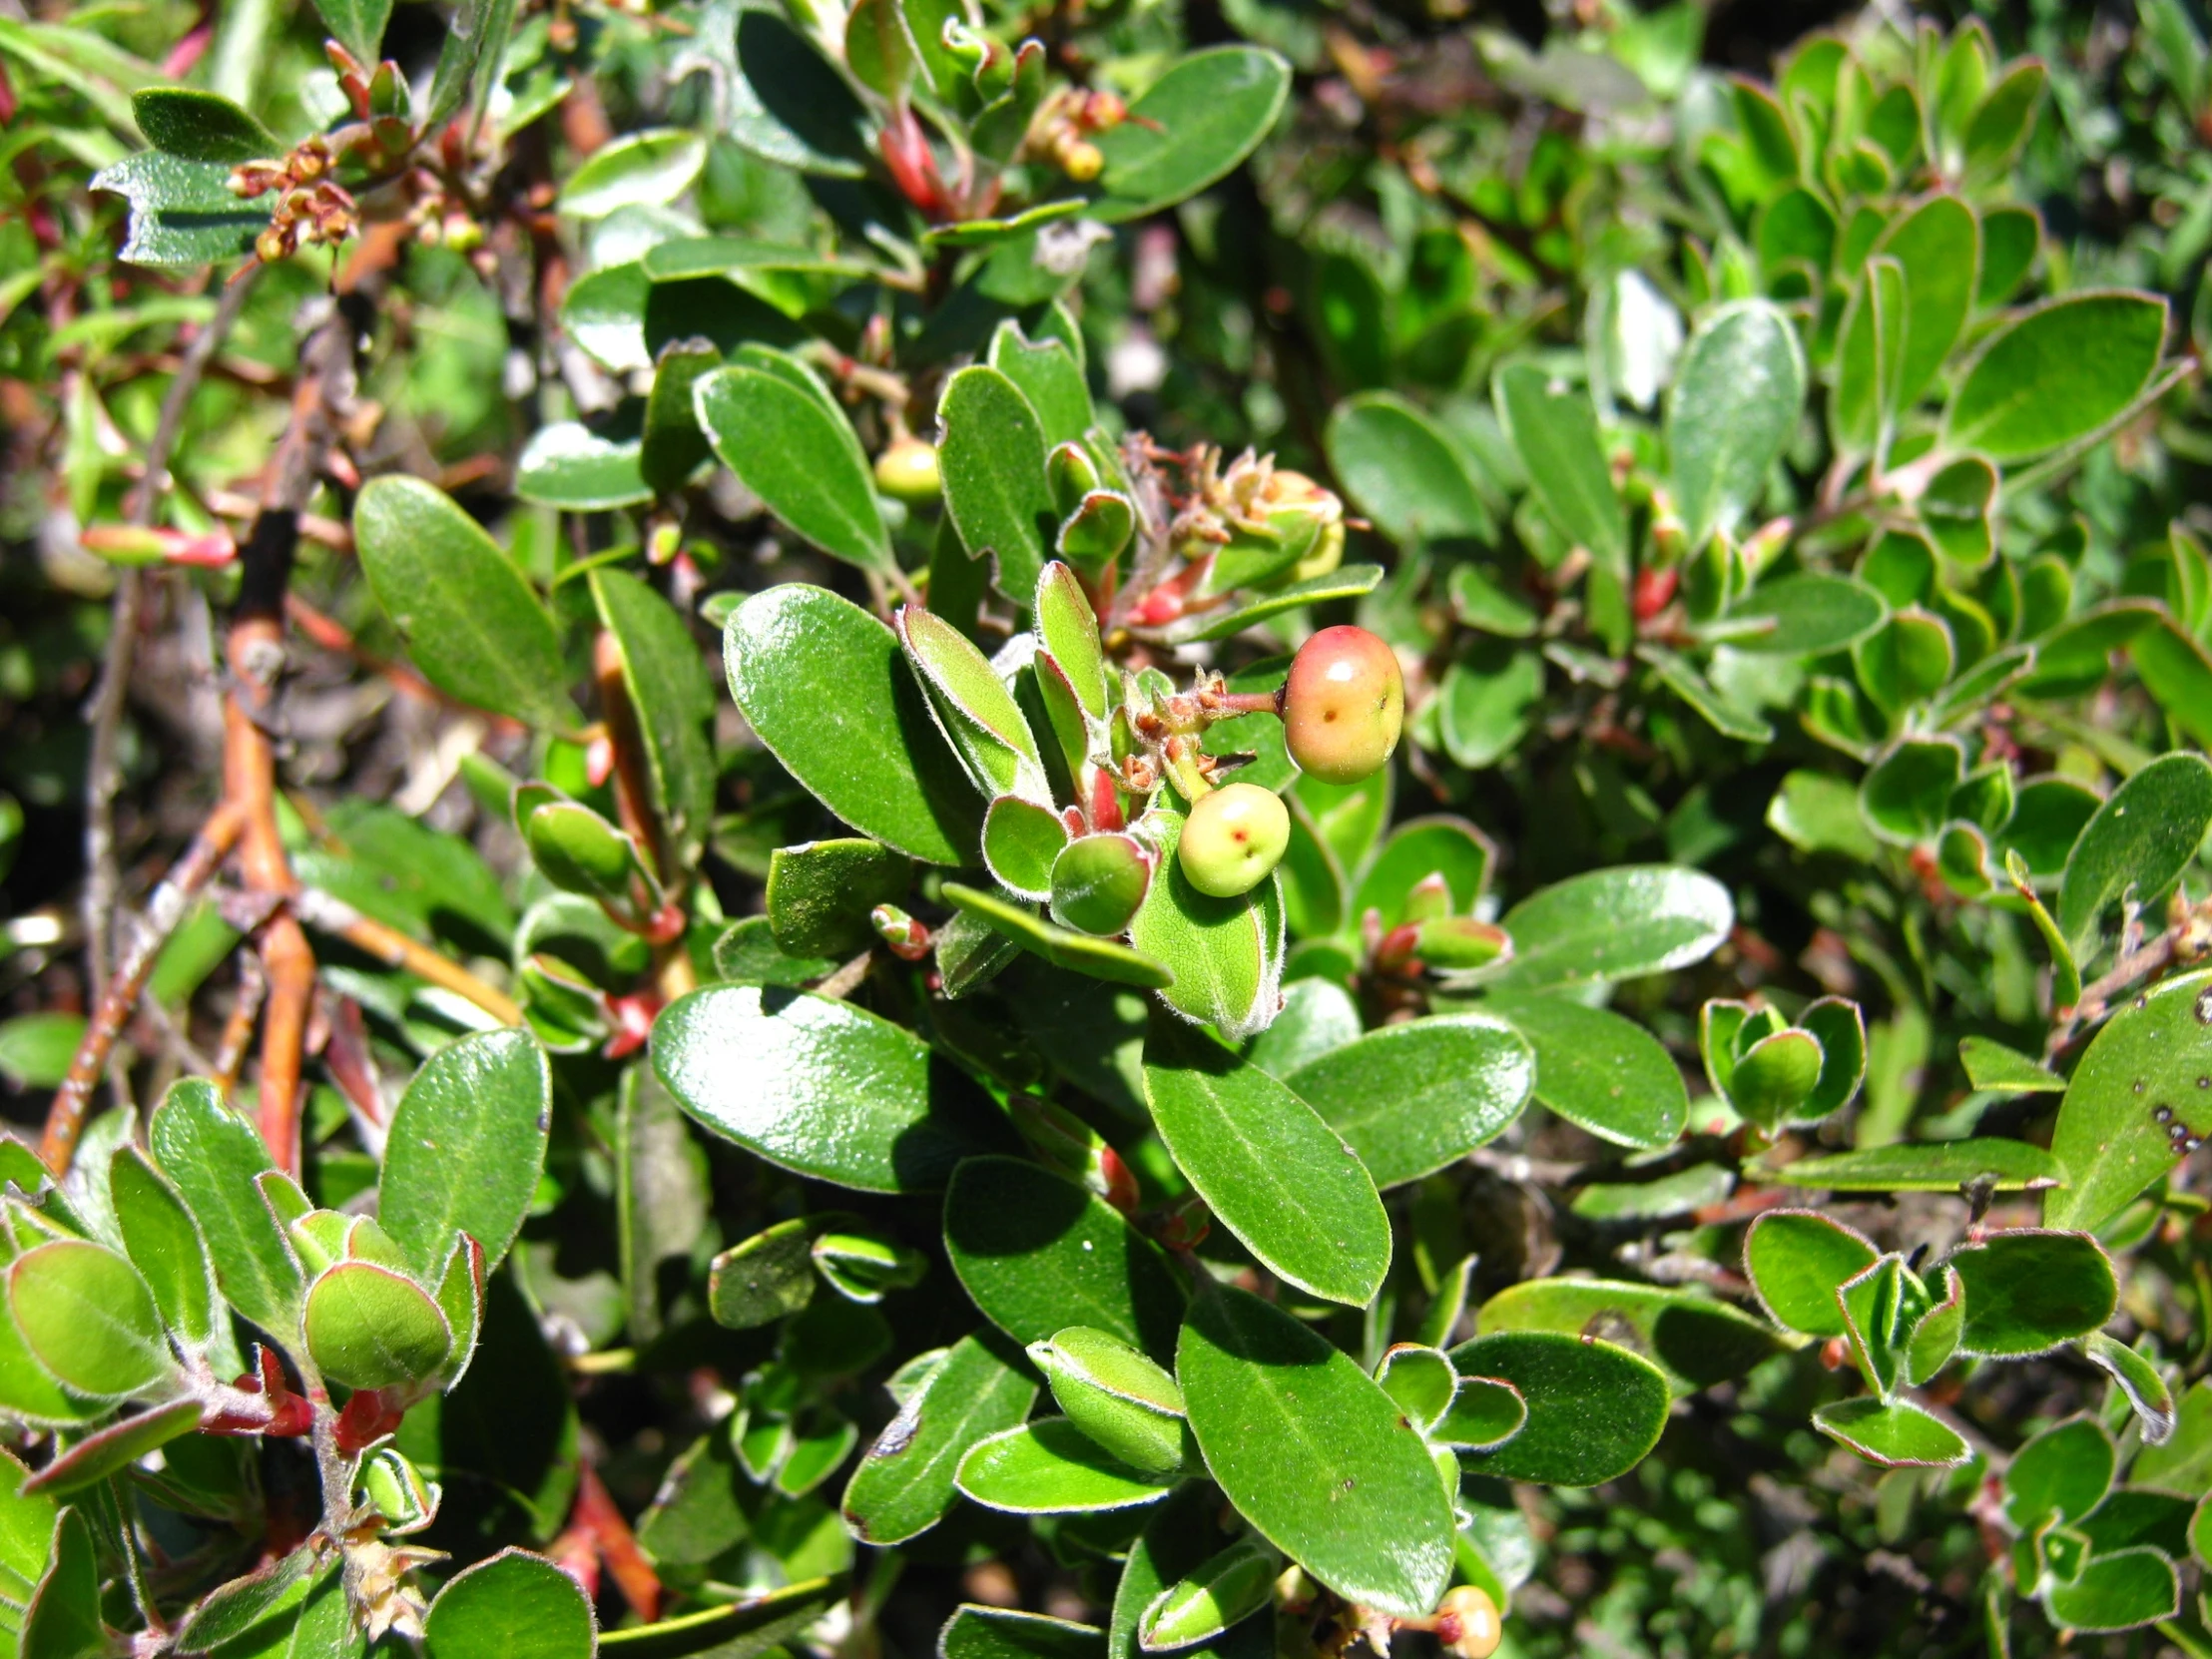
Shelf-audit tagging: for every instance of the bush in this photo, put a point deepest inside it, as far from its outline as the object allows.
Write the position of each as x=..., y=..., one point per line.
x=1449, y=891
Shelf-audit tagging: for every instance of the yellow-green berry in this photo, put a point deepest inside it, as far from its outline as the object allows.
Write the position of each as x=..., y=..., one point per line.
x=1235, y=836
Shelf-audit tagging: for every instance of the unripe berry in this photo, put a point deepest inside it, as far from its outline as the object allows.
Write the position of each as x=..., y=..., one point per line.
x=908, y=471
x=1233, y=838
x=1467, y=1624
x=1343, y=704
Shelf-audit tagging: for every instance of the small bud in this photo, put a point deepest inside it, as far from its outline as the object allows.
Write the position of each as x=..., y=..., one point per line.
x=1071, y=475
x=1343, y=704
x=1773, y=1076
x=272, y=244
x=907, y=938
x=1234, y=839
x=1074, y=1148
x=908, y=471
x=397, y=1491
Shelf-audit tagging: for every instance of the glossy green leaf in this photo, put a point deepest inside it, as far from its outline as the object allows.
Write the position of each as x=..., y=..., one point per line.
x=1036, y=1252
x=1188, y=128
x=1413, y=1099
x=762, y=1280
x=823, y=683
x=1797, y=1261
x=1126, y=1404
x=820, y=894
x=1003, y=1633
x=993, y=454
x=1893, y=1433
x=672, y=701
x=775, y=425
x=2140, y=1097
x=1269, y=1168
x=1614, y=925
x=1417, y=850
x=2141, y=840
x=1991, y=1065
x=2061, y=1474
x=1344, y=582
x=820, y=1088
x=755, y=1625
x=903, y=1486
x=2120, y=1592
x=2141, y=1380
x=1938, y=246
x=465, y=1146
x=1402, y=470
x=1601, y=1071
x=1022, y=842
x=516, y=1606
x=2028, y=1291
x=1731, y=409
x=1052, y=1468
x=2057, y=373
x=183, y=213
x=1925, y=1167
x=788, y=106
x=1100, y=958
x=582, y=467
x=1555, y=428
x=1906, y=795
x=1695, y=1339
x=1283, y=1420
x=1225, y=954
x=1596, y=1410
x=639, y=170
x=201, y=126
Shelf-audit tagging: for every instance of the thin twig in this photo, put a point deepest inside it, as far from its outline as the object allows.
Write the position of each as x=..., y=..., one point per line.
x=102, y=881
x=393, y=948
x=65, y=1120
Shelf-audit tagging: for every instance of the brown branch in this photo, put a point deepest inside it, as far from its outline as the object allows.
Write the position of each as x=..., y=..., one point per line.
x=65, y=1120
x=393, y=948
x=102, y=881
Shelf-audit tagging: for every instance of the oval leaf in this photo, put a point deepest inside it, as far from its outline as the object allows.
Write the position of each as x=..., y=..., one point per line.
x=1413, y=1099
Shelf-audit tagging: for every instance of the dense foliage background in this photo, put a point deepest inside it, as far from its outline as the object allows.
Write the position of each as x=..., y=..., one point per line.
x=612, y=613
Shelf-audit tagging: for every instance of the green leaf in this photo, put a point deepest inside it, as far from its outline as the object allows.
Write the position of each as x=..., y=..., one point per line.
x=1272, y=1171
x=789, y=105
x=776, y=427
x=2028, y=1291
x=1601, y=1071
x=513, y=1606
x=1731, y=411
x=1555, y=428
x=1047, y=374
x=465, y=1149
x=1036, y=1252
x=1189, y=127
x=2061, y=1474
x=164, y=1244
x=233, y=1609
x=88, y=1317
x=1797, y=1261
x=1805, y=616
x=183, y=214
x=1938, y=245
x=639, y=170
x=825, y=685
x=2139, y=843
x=581, y=467
x=36, y=1049
x=63, y=1619
x=1052, y=1468
x=1001, y=1633
x=1893, y=1433
x=1991, y=1065
x=993, y=454
x=766, y=1277
x=1413, y=1098
x=2057, y=373
x=201, y=126
x=604, y=312
x=2120, y=1592
x=1416, y=850
x=1869, y=354
x=26, y=1542
x=820, y=894
x=671, y=445
x=371, y=1326
x=1695, y=1339
x=820, y=1088
x=1225, y=954
x=1021, y=842
x=1594, y=1410
x=1402, y=471
x=746, y=950
x=1105, y=959
x=117, y=1448
x=2141, y=1380
x=213, y=1154
x=1067, y=628
x=467, y=616
x=671, y=697
x=1906, y=795
x=903, y=1486
x=1614, y=925
x=2139, y=1100
x=1124, y=1402
x=1344, y=582
x=1925, y=1167
x=357, y=25
x=1284, y=1422
x=1098, y=881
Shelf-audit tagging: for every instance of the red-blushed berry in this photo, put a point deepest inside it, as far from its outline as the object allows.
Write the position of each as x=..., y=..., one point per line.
x=1343, y=704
